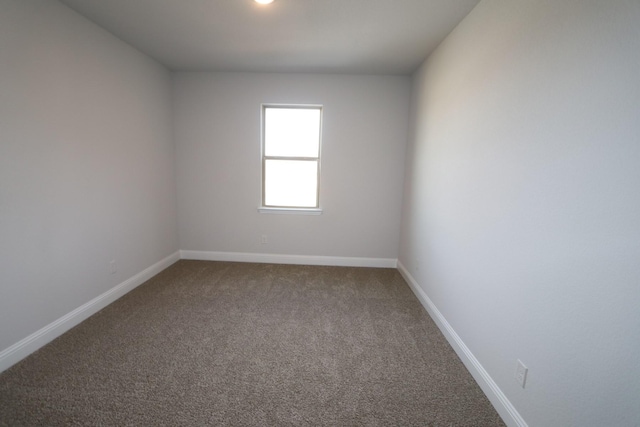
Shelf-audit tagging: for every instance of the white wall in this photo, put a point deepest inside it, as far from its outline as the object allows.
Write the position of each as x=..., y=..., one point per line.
x=217, y=134
x=86, y=164
x=521, y=217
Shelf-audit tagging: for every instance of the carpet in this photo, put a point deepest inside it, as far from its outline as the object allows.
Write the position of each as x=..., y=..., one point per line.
x=240, y=344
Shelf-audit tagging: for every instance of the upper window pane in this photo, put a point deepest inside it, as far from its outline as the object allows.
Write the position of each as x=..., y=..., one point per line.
x=292, y=132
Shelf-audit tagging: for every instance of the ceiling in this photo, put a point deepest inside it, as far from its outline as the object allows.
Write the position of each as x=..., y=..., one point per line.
x=321, y=36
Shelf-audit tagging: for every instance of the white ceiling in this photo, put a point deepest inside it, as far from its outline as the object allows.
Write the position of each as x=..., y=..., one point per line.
x=325, y=36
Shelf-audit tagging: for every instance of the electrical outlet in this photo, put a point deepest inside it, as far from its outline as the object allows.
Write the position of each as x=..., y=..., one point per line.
x=113, y=267
x=521, y=373
x=263, y=239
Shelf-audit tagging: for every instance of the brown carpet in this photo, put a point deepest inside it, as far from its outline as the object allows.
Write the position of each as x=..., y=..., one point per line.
x=219, y=343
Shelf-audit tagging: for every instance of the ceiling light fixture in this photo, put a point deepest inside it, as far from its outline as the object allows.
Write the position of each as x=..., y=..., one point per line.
x=264, y=1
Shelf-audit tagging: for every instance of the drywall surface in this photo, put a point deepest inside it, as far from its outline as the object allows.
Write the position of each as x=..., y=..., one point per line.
x=521, y=216
x=217, y=134
x=86, y=164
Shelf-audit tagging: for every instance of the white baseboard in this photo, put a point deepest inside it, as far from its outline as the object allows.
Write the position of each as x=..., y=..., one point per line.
x=26, y=346
x=289, y=259
x=495, y=395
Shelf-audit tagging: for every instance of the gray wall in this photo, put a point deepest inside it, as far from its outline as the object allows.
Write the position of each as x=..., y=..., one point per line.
x=86, y=164
x=521, y=217
x=217, y=134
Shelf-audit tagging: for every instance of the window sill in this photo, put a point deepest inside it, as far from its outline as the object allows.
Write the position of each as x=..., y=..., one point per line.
x=291, y=211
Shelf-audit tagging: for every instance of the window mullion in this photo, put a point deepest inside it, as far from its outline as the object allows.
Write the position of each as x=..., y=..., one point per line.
x=291, y=158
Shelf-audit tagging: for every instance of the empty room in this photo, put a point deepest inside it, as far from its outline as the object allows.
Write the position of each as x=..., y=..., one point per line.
x=320, y=212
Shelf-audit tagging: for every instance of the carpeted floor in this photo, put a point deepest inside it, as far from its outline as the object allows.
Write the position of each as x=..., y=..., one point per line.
x=219, y=343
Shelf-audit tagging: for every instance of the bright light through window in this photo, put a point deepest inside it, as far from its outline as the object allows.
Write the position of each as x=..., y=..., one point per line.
x=291, y=183
x=291, y=156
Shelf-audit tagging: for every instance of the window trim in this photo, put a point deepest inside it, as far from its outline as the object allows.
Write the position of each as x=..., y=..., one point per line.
x=298, y=211
x=302, y=210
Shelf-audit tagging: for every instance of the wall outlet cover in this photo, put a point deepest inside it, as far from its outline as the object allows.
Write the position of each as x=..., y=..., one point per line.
x=521, y=373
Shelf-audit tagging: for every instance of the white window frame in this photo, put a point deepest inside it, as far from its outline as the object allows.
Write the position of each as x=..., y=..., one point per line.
x=288, y=209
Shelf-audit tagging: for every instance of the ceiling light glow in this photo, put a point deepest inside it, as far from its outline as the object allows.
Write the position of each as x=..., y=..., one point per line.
x=264, y=1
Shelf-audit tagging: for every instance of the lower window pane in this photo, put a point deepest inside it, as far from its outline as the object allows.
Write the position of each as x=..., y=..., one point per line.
x=291, y=183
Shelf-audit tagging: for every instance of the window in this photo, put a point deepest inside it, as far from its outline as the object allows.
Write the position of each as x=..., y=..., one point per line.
x=291, y=158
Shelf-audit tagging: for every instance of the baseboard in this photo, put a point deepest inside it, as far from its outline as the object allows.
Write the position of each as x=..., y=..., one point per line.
x=26, y=346
x=495, y=395
x=289, y=259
